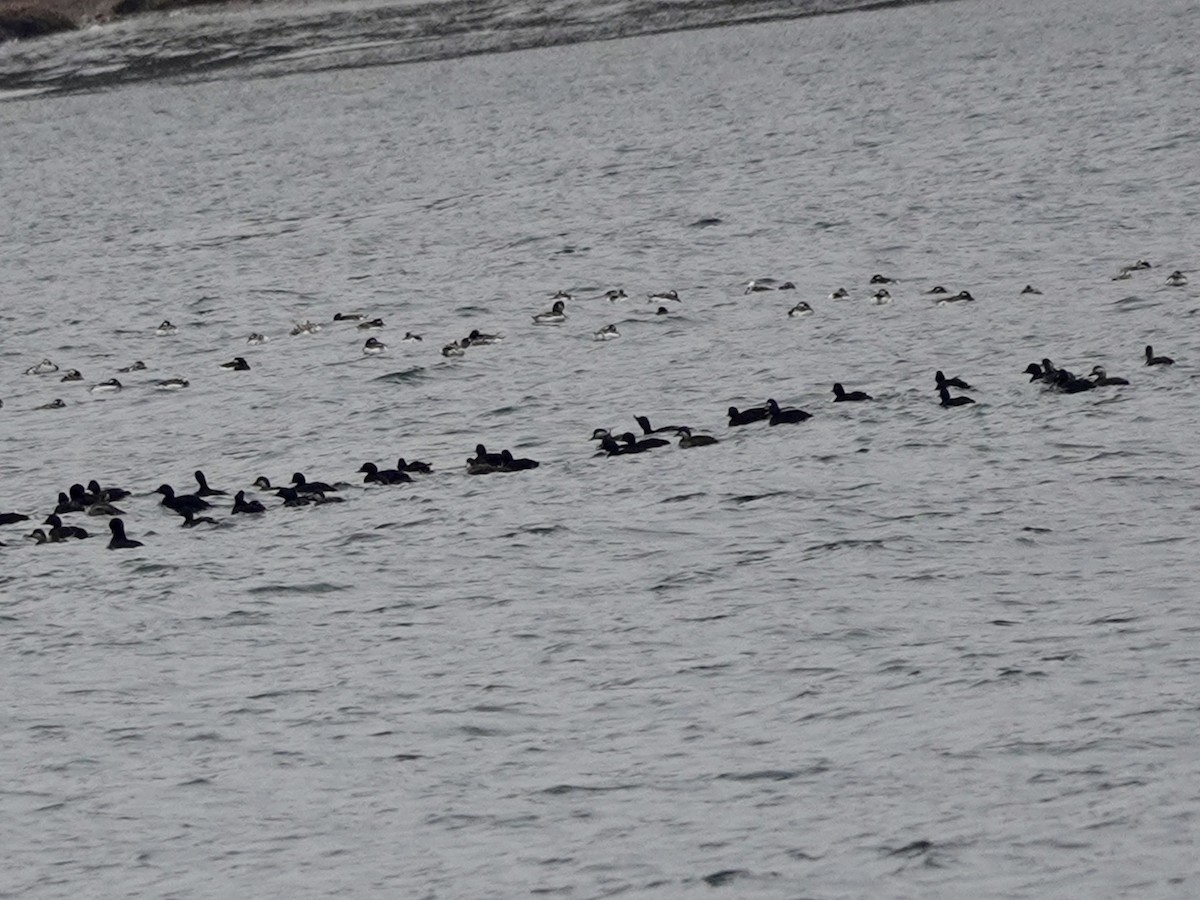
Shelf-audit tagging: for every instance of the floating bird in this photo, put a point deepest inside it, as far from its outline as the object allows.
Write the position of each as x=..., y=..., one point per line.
x=1100, y=377
x=375, y=475
x=746, y=416
x=947, y=400
x=166, y=329
x=1177, y=279
x=373, y=346
x=1030, y=289
x=607, y=333
x=554, y=316
x=138, y=366
x=1152, y=360
x=800, y=309
x=941, y=380
x=237, y=364
x=119, y=541
x=45, y=367
x=415, y=466
x=111, y=386
x=205, y=490
x=688, y=440
x=781, y=416
x=242, y=505
x=840, y=395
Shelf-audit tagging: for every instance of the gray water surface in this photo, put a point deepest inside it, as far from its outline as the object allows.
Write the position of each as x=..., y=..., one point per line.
x=893, y=651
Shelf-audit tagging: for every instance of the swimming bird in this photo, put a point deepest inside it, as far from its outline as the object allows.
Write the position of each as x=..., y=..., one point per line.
x=375, y=475
x=256, y=338
x=303, y=486
x=616, y=294
x=181, y=503
x=68, y=505
x=237, y=364
x=644, y=422
x=607, y=333
x=45, y=367
x=1068, y=383
x=60, y=532
x=305, y=327
x=138, y=366
x=1030, y=289
x=662, y=311
x=800, y=309
x=10, y=518
x=688, y=440
x=610, y=446
x=205, y=490
x=370, y=325
x=1100, y=377
x=191, y=520
x=491, y=459
x=166, y=329
x=453, y=350
x=111, y=386
x=348, y=317
x=554, y=316
x=840, y=395
x=956, y=298
x=291, y=497
x=72, y=375
x=242, y=505
x=746, y=416
x=81, y=496
x=416, y=465
x=1177, y=279
x=786, y=286
x=562, y=295
x=785, y=416
x=759, y=284
x=107, y=495
x=373, y=346
x=102, y=508
x=947, y=400
x=937, y=289
x=840, y=294
x=1152, y=360
x=172, y=384
x=881, y=297
x=882, y=279
x=648, y=443
x=518, y=464
x=410, y=337
x=664, y=295
x=119, y=541
x=481, y=338
x=263, y=483
x=940, y=380
x=56, y=403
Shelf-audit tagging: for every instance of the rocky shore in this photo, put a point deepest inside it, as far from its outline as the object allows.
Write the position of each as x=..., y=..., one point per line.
x=21, y=19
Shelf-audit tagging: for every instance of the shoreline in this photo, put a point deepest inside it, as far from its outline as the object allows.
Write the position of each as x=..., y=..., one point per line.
x=25, y=19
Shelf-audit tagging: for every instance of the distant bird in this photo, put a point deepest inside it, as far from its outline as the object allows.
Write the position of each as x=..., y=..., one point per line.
x=1152, y=360
x=644, y=422
x=881, y=297
x=882, y=279
x=237, y=364
x=800, y=309
x=370, y=325
x=947, y=400
x=348, y=317
x=840, y=395
x=1177, y=279
x=1100, y=376
x=937, y=289
x=242, y=505
x=517, y=464
x=375, y=475
x=205, y=490
x=172, y=384
x=688, y=440
x=554, y=316
x=166, y=329
x=60, y=532
x=746, y=416
x=10, y=518
x=256, y=338
x=616, y=294
x=72, y=375
x=138, y=366
x=45, y=367
x=840, y=294
x=664, y=295
x=781, y=416
x=607, y=333
x=960, y=297
x=1030, y=289
x=373, y=346
x=119, y=541
x=415, y=466
x=644, y=444
x=182, y=503
x=941, y=380
x=410, y=337
x=302, y=486
x=453, y=350
x=191, y=520
x=109, y=386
